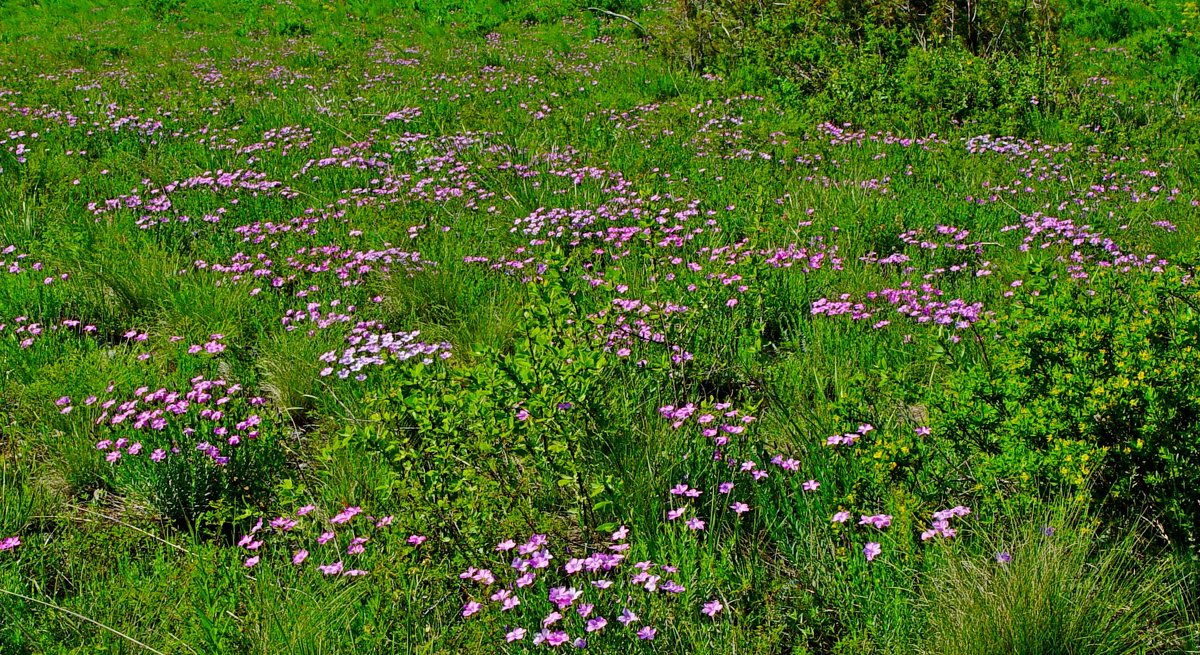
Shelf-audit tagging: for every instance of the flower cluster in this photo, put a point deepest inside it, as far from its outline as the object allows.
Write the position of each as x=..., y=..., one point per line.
x=29, y=332
x=343, y=540
x=209, y=416
x=849, y=438
x=720, y=424
x=579, y=601
x=370, y=346
x=940, y=526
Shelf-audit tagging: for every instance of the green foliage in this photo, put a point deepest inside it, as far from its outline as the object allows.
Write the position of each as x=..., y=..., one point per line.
x=467, y=308
x=953, y=83
x=1095, y=384
x=160, y=9
x=499, y=437
x=21, y=501
x=189, y=489
x=983, y=62
x=1110, y=20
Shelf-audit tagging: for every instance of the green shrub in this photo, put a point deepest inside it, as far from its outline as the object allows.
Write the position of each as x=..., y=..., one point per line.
x=1096, y=385
x=474, y=444
x=1110, y=20
x=183, y=488
x=837, y=59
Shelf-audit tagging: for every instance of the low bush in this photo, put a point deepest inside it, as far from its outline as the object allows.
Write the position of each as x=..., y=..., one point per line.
x=1095, y=385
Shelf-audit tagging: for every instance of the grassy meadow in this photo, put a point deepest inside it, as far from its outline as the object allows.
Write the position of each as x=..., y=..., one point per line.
x=679, y=326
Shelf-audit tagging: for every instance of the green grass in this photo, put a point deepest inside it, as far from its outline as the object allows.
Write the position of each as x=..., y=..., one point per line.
x=1055, y=594
x=599, y=228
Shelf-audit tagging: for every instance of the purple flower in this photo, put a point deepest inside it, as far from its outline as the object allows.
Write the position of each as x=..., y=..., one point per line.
x=871, y=550
x=331, y=569
x=346, y=514
x=9, y=543
x=564, y=597
x=841, y=517
x=597, y=623
x=811, y=485
x=516, y=634
x=1004, y=557
x=740, y=507
x=695, y=524
x=283, y=524
x=554, y=639
x=470, y=608
x=787, y=464
x=712, y=607
x=646, y=633
x=299, y=557
x=416, y=539
x=946, y=514
x=880, y=521
x=540, y=559
x=627, y=617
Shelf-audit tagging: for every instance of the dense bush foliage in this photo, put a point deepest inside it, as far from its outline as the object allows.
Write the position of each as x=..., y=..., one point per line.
x=953, y=60
x=466, y=436
x=1095, y=384
x=998, y=65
